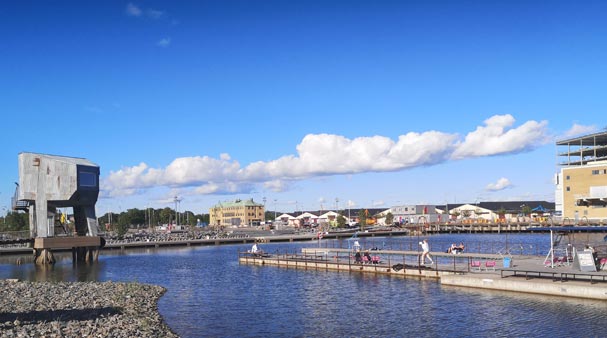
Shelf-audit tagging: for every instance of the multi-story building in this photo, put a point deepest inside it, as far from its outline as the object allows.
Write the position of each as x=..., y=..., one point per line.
x=581, y=184
x=416, y=213
x=237, y=213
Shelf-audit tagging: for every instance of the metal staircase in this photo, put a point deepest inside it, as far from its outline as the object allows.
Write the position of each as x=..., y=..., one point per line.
x=18, y=204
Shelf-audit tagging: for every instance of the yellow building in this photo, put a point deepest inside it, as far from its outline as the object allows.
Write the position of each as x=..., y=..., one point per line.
x=237, y=213
x=581, y=184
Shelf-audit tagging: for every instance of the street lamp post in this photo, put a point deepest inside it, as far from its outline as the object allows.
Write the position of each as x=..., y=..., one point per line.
x=176, y=214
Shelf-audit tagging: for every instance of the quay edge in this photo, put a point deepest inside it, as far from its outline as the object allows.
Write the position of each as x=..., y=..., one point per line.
x=584, y=289
x=575, y=289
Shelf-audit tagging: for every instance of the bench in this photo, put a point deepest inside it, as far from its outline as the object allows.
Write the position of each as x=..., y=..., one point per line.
x=490, y=265
x=530, y=273
x=375, y=260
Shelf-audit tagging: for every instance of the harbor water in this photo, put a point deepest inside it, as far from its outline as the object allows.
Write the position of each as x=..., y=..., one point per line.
x=209, y=294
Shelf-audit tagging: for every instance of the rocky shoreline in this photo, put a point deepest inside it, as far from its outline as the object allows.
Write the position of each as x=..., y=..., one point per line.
x=81, y=309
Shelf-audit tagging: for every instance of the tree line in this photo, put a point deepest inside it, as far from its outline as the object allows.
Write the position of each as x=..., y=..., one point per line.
x=131, y=218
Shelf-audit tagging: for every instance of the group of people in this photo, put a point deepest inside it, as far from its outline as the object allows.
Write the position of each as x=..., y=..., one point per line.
x=358, y=257
x=456, y=249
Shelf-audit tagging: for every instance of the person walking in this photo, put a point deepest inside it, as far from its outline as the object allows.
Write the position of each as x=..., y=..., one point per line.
x=426, y=251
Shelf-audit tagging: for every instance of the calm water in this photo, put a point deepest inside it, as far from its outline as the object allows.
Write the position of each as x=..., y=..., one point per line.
x=211, y=295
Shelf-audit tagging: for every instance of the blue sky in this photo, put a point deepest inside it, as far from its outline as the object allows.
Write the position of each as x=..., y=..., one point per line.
x=372, y=103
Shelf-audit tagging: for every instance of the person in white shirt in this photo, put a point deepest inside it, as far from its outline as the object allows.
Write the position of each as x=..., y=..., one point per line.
x=254, y=249
x=426, y=251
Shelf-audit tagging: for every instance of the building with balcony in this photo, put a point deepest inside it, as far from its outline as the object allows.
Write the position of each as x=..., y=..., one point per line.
x=237, y=213
x=581, y=183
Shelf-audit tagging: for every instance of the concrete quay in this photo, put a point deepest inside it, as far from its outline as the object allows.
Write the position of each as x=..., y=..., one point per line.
x=526, y=274
x=529, y=274
x=159, y=240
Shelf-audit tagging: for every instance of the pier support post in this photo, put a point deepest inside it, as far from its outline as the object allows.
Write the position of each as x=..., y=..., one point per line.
x=84, y=248
x=44, y=256
x=85, y=254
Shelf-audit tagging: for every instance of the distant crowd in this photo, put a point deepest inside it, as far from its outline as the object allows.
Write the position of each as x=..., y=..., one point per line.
x=144, y=236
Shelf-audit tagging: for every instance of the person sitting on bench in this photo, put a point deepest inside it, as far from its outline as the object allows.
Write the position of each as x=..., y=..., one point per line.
x=368, y=257
x=459, y=249
x=452, y=249
x=358, y=258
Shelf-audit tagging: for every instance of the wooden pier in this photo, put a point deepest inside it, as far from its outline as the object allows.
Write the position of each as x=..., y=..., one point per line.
x=388, y=262
x=528, y=275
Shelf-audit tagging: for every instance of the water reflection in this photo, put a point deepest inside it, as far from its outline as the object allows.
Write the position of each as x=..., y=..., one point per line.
x=211, y=294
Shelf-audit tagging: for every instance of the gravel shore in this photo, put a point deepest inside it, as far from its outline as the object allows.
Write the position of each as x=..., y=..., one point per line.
x=80, y=309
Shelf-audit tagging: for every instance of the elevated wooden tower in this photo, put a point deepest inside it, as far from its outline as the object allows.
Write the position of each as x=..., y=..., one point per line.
x=48, y=182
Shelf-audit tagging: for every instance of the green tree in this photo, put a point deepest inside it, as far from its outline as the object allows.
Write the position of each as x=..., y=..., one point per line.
x=166, y=215
x=15, y=221
x=269, y=215
x=389, y=218
x=362, y=218
x=134, y=217
x=341, y=221
x=122, y=226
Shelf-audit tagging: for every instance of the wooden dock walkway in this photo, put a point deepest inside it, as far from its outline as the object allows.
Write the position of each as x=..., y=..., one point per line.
x=528, y=274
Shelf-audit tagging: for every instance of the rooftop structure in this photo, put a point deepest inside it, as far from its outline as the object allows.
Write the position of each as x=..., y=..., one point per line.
x=584, y=150
x=581, y=184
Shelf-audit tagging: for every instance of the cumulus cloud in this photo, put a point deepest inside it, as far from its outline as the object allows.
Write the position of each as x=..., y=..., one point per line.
x=164, y=42
x=133, y=10
x=578, y=129
x=327, y=154
x=136, y=11
x=501, y=184
x=497, y=138
x=276, y=185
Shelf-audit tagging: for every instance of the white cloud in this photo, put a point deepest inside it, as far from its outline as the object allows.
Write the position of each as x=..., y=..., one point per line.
x=223, y=188
x=578, y=129
x=133, y=10
x=154, y=14
x=496, y=139
x=164, y=42
x=327, y=154
x=276, y=185
x=501, y=184
x=136, y=11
